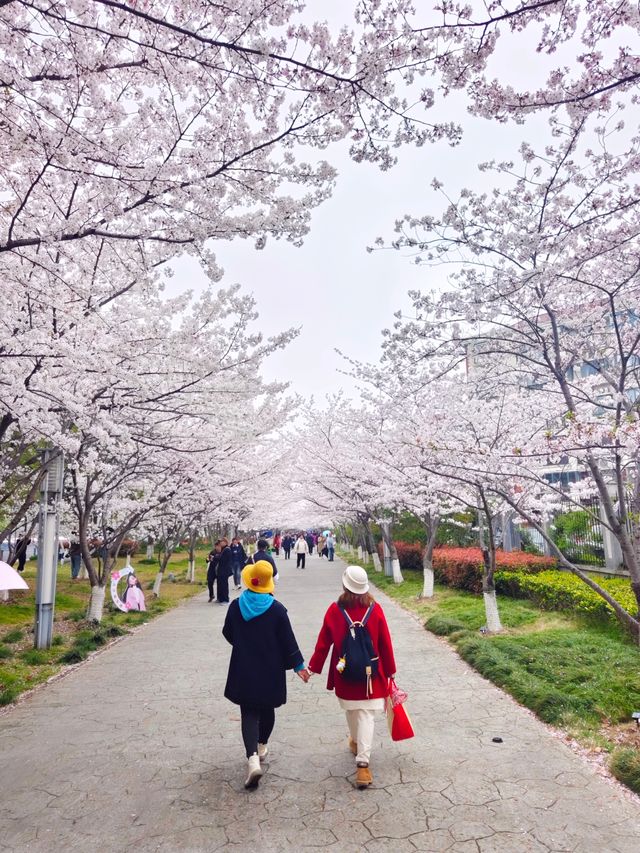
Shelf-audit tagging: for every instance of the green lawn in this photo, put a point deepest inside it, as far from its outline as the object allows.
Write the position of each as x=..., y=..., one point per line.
x=580, y=675
x=23, y=667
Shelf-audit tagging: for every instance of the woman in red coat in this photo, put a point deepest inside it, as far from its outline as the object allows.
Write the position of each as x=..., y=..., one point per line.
x=359, y=699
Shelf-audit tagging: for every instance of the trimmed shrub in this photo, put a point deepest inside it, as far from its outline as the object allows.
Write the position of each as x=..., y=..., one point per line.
x=556, y=590
x=461, y=568
x=5, y=653
x=443, y=625
x=625, y=766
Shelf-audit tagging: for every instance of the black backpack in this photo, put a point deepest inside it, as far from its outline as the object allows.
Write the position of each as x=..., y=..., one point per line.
x=360, y=659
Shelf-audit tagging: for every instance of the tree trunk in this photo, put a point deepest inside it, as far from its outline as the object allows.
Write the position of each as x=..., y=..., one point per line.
x=96, y=604
x=494, y=626
x=191, y=571
x=431, y=524
x=396, y=573
x=4, y=595
x=150, y=550
x=157, y=583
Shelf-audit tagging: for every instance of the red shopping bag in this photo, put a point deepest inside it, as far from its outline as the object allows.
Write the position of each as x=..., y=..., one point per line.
x=400, y=727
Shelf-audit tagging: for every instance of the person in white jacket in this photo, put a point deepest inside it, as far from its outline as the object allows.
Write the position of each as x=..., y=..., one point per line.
x=301, y=550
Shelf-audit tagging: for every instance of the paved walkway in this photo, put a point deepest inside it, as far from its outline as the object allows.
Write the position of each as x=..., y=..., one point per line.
x=138, y=750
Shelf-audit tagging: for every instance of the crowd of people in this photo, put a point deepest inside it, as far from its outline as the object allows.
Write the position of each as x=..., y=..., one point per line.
x=227, y=559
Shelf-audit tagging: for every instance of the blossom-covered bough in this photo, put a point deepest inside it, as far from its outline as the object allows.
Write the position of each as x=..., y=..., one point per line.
x=540, y=321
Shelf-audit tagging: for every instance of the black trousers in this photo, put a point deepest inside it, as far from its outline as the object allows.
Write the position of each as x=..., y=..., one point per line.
x=223, y=587
x=287, y=553
x=211, y=579
x=300, y=559
x=257, y=725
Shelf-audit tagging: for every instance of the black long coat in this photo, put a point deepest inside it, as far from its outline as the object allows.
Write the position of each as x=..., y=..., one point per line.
x=263, y=649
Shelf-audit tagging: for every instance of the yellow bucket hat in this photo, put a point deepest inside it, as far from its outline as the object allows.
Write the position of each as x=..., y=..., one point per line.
x=258, y=577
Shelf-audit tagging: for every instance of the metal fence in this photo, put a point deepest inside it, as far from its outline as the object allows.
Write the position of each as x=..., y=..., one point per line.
x=578, y=532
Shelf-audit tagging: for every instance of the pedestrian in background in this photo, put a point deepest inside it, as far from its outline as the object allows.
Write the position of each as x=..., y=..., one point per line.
x=263, y=554
x=239, y=558
x=359, y=699
x=301, y=550
x=224, y=571
x=310, y=542
x=287, y=544
x=75, y=556
x=331, y=546
x=212, y=568
x=264, y=648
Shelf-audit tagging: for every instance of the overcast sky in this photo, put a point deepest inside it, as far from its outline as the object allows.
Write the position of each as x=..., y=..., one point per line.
x=339, y=294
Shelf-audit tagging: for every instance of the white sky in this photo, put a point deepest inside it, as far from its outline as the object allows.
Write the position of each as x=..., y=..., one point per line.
x=339, y=294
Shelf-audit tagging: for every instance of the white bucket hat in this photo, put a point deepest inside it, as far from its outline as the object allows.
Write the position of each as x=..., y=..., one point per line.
x=355, y=580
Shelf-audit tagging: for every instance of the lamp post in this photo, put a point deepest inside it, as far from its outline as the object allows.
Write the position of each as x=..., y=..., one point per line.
x=48, y=522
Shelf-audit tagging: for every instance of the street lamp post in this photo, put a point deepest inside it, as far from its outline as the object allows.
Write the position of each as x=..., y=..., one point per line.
x=48, y=523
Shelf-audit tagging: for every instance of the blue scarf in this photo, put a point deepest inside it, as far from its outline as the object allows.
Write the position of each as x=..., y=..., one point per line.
x=254, y=604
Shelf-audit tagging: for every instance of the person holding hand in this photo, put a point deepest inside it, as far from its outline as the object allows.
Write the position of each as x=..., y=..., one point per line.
x=360, y=695
x=264, y=648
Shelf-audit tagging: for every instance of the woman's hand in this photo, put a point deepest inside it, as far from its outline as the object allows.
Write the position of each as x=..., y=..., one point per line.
x=304, y=674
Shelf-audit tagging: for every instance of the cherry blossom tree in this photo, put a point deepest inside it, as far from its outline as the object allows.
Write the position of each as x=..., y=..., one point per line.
x=543, y=304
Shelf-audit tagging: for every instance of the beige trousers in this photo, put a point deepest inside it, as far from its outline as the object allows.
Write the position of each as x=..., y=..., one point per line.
x=361, y=722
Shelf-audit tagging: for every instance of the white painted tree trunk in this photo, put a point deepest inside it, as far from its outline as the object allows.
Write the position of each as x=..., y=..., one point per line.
x=150, y=551
x=360, y=553
x=4, y=595
x=397, y=574
x=191, y=571
x=156, y=584
x=96, y=604
x=494, y=625
x=83, y=574
x=376, y=562
x=427, y=588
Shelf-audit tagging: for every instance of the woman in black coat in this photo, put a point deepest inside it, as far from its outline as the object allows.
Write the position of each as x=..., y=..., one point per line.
x=264, y=648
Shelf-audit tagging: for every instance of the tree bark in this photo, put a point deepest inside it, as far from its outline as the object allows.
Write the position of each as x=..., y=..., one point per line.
x=494, y=625
x=96, y=604
x=431, y=524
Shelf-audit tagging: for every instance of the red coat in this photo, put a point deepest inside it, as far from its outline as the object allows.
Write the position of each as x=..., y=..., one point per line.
x=333, y=632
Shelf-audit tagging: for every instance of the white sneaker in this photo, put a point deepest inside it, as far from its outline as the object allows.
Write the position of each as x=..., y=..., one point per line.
x=254, y=772
x=263, y=751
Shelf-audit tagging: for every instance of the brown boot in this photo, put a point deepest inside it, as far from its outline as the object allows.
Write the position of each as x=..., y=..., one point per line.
x=353, y=746
x=363, y=777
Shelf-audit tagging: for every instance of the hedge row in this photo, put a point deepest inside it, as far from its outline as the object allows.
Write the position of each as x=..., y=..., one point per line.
x=462, y=567
x=556, y=590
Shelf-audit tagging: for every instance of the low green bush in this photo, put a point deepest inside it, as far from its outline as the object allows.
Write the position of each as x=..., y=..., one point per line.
x=13, y=636
x=443, y=625
x=58, y=640
x=8, y=694
x=74, y=655
x=5, y=653
x=625, y=766
x=34, y=657
x=556, y=590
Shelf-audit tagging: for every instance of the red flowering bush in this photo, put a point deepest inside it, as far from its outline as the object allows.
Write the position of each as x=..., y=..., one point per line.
x=462, y=567
x=409, y=554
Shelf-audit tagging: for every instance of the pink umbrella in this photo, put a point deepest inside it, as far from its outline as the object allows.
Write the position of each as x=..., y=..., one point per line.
x=10, y=579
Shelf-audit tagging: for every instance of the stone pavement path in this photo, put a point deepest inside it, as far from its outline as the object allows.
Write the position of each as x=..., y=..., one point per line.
x=138, y=750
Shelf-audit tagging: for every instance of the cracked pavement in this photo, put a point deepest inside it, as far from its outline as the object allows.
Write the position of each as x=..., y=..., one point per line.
x=92, y=761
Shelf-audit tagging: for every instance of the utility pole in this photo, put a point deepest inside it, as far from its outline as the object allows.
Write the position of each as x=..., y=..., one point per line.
x=48, y=525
